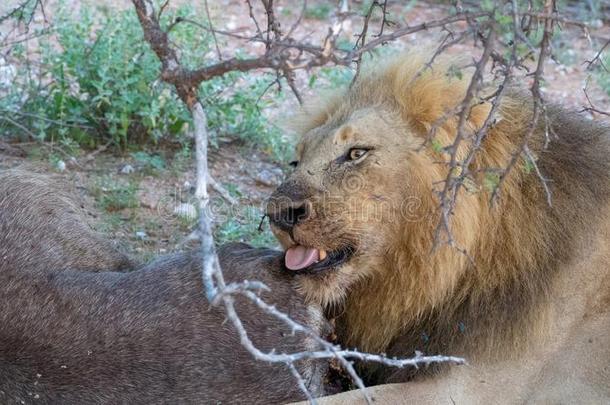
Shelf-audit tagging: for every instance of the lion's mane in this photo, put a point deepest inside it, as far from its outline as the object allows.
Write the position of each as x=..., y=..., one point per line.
x=486, y=300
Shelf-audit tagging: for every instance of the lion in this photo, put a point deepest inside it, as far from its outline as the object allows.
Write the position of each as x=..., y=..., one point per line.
x=81, y=322
x=523, y=289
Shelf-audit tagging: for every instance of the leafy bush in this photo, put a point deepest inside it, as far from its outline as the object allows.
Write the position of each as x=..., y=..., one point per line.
x=150, y=163
x=98, y=81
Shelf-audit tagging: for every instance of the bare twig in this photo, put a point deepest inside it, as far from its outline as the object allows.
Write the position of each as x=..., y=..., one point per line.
x=591, y=107
x=279, y=58
x=221, y=190
x=207, y=12
x=454, y=179
x=284, y=55
x=18, y=125
x=361, y=38
x=598, y=58
x=100, y=149
x=549, y=7
x=401, y=32
x=20, y=11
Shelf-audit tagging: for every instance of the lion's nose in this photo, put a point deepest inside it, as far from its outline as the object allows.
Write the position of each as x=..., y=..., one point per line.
x=289, y=214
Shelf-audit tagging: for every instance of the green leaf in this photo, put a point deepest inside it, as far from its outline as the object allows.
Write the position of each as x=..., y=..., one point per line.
x=491, y=181
x=436, y=145
x=312, y=80
x=455, y=71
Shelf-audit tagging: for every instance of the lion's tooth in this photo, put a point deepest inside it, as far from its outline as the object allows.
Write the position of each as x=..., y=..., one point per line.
x=322, y=254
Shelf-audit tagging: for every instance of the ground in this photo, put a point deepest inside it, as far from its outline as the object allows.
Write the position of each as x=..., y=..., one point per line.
x=146, y=201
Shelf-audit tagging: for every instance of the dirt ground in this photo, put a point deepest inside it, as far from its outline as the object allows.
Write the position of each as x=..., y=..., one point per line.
x=156, y=215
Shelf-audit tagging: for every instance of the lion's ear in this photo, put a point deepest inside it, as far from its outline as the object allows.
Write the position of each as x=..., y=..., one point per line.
x=428, y=99
x=431, y=95
x=435, y=101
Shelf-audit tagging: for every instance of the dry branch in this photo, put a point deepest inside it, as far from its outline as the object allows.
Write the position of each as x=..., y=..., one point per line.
x=278, y=58
x=539, y=108
x=284, y=54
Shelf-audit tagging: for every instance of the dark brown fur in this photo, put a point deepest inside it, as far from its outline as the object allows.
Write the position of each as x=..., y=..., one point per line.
x=71, y=334
x=43, y=228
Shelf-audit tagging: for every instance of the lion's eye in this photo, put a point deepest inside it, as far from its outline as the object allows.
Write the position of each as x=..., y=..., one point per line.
x=356, y=153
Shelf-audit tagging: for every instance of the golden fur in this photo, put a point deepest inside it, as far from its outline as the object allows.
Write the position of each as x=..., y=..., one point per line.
x=394, y=295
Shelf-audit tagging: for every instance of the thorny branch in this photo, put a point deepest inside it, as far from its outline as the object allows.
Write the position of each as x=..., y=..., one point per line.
x=23, y=12
x=591, y=64
x=277, y=56
x=459, y=169
x=598, y=58
x=591, y=107
x=284, y=54
x=549, y=7
x=449, y=193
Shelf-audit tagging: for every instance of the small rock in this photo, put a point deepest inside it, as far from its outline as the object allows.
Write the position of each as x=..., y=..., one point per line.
x=189, y=187
x=185, y=210
x=232, y=24
x=141, y=235
x=127, y=169
x=8, y=73
x=267, y=177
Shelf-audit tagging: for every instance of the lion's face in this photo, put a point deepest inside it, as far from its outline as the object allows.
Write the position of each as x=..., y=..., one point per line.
x=340, y=212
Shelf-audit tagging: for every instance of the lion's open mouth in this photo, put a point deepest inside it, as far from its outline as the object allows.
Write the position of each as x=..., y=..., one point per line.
x=304, y=260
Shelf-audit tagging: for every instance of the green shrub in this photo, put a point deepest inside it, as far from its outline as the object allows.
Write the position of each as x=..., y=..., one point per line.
x=98, y=81
x=150, y=163
x=238, y=113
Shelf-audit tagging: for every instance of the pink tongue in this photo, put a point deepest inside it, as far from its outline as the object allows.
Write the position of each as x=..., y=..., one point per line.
x=298, y=257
